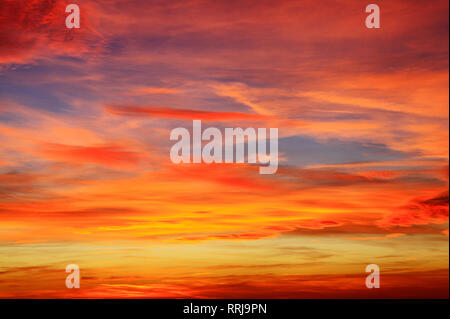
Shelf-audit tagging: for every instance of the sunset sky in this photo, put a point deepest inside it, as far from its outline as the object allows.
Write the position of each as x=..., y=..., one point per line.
x=86, y=176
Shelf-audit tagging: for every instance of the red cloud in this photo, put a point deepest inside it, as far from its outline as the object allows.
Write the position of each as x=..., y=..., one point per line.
x=421, y=212
x=182, y=114
x=32, y=28
x=108, y=155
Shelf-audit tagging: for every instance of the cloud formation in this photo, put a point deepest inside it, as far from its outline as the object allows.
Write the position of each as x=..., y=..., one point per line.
x=85, y=174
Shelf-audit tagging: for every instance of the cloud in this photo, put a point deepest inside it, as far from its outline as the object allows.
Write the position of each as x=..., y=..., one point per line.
x=109, y=155
x=183, y=114
x=85, y=120
x=430, y=283
x=153, y=90
x=420, y=212
x=393, y=235
x=32, y=29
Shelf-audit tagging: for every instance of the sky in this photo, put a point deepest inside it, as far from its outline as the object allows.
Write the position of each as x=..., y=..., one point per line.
x=86, y=176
